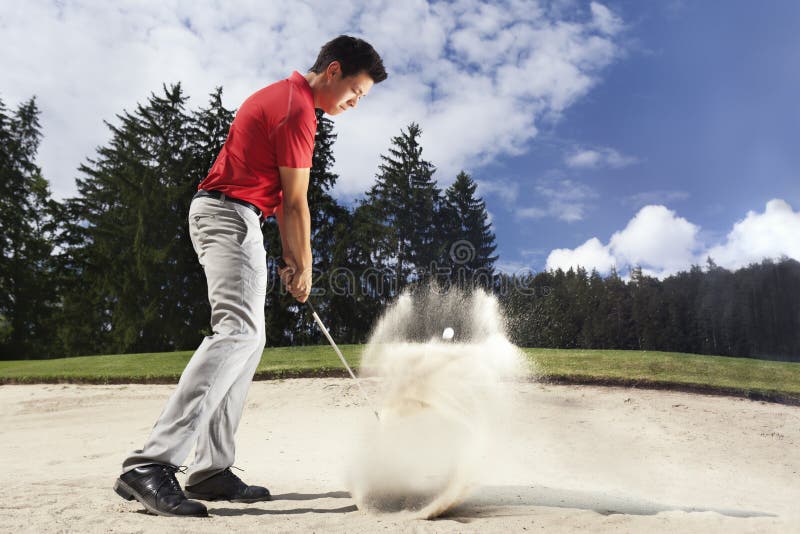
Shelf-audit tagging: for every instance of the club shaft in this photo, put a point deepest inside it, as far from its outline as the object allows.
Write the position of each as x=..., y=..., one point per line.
x=341, y=357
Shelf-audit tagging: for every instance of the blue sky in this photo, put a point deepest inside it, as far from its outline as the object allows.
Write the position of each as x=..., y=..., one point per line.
x=704, y=103
x=601, y=133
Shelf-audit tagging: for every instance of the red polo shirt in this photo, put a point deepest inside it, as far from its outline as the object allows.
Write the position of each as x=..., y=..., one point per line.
x=273, y=128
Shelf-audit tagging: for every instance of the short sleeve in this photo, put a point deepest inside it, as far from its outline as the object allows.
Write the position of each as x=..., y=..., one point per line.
x=294, y=142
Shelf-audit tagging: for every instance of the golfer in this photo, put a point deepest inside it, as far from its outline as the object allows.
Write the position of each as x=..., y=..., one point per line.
x=263, y=169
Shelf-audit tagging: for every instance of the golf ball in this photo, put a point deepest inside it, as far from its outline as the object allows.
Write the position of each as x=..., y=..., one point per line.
x=448, y=333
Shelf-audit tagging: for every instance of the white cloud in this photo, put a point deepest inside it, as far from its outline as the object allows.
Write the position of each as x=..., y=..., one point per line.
x=591, y=255
x=771, y=234
x=596, y=158
x=605, y=20
x=658, y=239
x=475, y=75
x=564, y=200
x=531, y=213
x=663, y=243
x=506, y=190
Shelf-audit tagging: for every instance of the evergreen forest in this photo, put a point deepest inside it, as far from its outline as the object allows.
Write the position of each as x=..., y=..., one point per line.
x=112, y=270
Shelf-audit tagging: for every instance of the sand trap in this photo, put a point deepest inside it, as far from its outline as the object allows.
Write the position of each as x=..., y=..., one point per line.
x=586, y=459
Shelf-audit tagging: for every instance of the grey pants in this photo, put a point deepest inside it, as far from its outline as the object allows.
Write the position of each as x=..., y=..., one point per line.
x=207, y=404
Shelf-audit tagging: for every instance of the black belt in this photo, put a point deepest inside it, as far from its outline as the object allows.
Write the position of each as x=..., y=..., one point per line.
x=219, y=195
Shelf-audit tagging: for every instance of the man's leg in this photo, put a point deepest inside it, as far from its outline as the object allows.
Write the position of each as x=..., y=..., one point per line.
x=229, y=244
x=216, y=447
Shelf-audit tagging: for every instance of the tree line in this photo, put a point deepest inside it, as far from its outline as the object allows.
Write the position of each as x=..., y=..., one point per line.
x=753, y=312
x=112, y=269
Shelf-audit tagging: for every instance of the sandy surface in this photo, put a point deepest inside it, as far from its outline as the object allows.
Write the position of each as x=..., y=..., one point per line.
x=586, y=459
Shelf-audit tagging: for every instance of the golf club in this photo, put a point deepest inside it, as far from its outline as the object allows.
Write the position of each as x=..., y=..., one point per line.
x=341, y=357
x=282, y=264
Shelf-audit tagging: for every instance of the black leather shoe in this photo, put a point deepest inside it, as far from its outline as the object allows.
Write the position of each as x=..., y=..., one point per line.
x=225, y=486
x=156, y=487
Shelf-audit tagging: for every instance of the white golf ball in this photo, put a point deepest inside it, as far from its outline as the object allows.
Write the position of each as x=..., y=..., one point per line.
x=448, y=333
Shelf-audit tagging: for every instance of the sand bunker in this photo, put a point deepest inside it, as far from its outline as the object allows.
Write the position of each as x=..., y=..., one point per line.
x=441, y=402
x=581, y=459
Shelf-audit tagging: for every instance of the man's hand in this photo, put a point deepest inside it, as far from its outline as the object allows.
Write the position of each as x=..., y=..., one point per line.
x=300, y=285
x=297, y=283
x=286, y=271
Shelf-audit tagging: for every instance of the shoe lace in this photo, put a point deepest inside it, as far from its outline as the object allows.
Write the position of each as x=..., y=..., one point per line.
x=230, y=474
x=169, y=479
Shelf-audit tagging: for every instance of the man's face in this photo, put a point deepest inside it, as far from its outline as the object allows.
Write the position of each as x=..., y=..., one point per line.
x=342, y=93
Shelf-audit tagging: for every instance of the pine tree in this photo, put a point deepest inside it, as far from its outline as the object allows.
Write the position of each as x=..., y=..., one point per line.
x=359, y=286
x=624, y=321
x=340, y=305
x=468, y=236
x=27, y=297
x=648, y=309
x=402, y=209
x=137, y=283
x=680, y=291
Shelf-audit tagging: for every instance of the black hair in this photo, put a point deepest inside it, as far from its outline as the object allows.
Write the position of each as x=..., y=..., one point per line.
x=354, y=55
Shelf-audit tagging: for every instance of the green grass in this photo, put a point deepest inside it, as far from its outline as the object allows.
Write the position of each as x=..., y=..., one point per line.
x=167, y=366
x=736, y=376
x=740, y=376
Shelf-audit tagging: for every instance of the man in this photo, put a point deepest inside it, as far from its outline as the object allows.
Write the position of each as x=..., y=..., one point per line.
x=263, y=169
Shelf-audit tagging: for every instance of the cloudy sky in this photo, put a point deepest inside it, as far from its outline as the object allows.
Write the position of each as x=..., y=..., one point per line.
x=604, y=134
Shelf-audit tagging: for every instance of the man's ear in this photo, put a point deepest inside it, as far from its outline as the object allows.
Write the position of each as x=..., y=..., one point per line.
x=334, y=67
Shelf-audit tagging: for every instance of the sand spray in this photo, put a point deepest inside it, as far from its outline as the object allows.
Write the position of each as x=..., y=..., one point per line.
x=441, y=401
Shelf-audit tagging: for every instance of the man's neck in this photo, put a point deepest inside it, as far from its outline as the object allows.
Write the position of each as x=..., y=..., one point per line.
x=314, y=81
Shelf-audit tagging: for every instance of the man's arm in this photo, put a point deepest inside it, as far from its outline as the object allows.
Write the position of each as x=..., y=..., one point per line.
x=294, y=223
